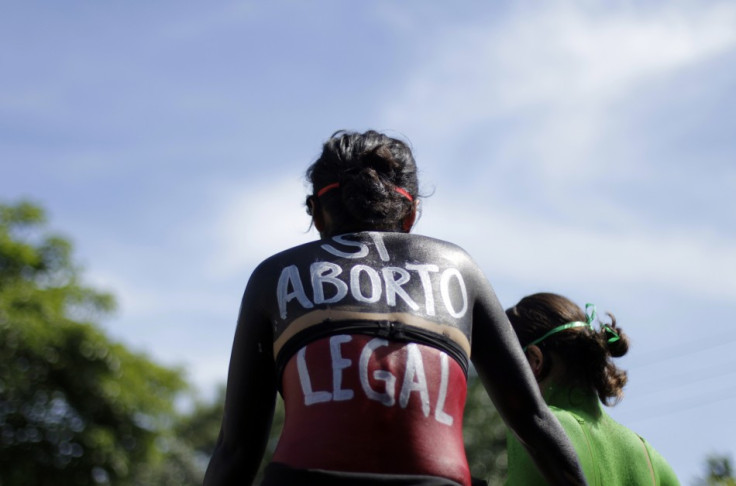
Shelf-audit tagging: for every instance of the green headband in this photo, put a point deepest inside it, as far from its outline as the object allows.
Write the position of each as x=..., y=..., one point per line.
x=591, y=316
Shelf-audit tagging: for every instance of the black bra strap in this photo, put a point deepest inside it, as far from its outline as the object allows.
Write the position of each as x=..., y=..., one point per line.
x=395, y=331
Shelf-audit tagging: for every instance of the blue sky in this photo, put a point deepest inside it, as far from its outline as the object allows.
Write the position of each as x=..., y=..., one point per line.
x=579, y=147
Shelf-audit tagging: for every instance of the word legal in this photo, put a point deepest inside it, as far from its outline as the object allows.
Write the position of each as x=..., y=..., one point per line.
x=413, y=381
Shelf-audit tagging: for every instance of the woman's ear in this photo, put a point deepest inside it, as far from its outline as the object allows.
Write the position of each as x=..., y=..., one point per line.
x=536, y=360
x=318, y=216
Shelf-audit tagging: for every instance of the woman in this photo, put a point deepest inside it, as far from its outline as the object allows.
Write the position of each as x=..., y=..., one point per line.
x=366, y=333
x=571, y=361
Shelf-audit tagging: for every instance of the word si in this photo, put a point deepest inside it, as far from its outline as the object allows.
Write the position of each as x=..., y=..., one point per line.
x=387, y=283
x=414, y=379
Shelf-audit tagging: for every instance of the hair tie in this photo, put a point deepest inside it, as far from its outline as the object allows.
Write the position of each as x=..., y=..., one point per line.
x=613, y=335
x=611, y=332
x=335, y=185
x=590, y=317
x=404, y=193
x=328, y=187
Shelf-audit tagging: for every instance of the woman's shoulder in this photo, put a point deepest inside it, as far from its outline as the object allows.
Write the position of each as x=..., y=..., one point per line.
x=447, y=249
x=664, y=472
x=572, y=422
x=421, y=238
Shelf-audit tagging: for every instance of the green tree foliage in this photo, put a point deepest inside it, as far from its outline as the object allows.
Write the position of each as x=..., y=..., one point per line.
x=485, y=435
x=75, y=407
x=200, y=427
x=718, y=471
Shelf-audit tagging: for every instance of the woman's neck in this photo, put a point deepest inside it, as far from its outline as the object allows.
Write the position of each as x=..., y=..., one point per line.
x=567, y=396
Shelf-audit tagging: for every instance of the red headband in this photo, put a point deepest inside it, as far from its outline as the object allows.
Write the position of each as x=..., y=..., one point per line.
x=335, y=185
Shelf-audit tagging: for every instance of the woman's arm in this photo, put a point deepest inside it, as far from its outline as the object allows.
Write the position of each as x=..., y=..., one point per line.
x=250, y=398
x=506, y=375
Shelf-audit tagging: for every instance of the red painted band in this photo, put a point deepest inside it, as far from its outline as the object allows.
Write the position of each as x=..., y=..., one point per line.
x=364, y=404
x=335, y=185
x=327, y=188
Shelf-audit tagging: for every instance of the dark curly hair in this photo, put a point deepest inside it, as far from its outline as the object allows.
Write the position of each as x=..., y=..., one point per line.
x=586, y=352
x=373, y=172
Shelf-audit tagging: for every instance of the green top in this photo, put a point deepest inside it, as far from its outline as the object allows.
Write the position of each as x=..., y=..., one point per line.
x=610, y=454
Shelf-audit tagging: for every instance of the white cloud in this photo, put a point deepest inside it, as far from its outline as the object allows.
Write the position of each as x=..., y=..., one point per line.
x=562, y=55
x=139, y=297
x=557, y=72
x=255, y=221
x=525, y=248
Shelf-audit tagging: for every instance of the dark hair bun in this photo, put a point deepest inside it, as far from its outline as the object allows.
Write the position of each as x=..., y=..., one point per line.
x=382, y=161
x=616, y=347
x=369, y=167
